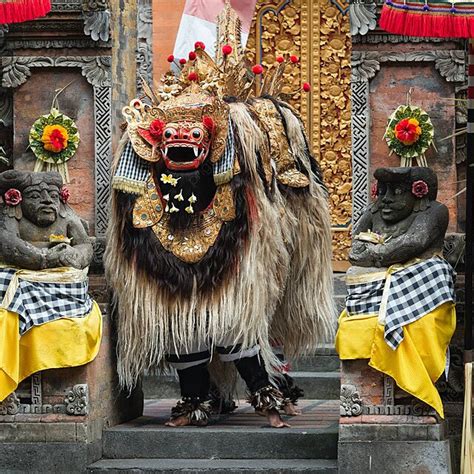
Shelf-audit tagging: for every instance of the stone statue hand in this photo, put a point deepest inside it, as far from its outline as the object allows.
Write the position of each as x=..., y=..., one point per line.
x=361, y=254
x=63, y=255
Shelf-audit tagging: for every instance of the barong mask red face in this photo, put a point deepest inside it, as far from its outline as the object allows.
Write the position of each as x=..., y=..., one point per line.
x=186, y=145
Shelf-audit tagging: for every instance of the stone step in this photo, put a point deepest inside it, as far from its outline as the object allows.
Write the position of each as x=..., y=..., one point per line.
x=227, y=466
x=241, y=435
x=318, y=363
x=321, y=385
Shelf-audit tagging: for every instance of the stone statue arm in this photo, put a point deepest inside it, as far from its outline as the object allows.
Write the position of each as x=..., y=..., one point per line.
x=16, y=251
x=425, y=233
x=360, y=251
x=80, y=243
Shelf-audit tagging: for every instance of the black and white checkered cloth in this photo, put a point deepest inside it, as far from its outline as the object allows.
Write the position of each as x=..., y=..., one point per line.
x=414, y=292
x=131, y=170
x=40, y=303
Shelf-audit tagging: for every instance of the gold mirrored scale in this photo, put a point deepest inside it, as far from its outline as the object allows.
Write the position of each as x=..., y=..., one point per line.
x=285, y=162
x=191, y=244
x=148, y=208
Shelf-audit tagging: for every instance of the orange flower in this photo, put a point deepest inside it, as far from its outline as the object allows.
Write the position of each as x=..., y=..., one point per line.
x=54, y=138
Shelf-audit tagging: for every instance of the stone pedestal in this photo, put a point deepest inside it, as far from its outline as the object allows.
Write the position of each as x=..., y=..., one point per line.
x=383, y=429
x=56, y=417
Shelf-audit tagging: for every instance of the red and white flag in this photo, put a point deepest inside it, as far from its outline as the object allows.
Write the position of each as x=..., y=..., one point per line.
x=198, y=23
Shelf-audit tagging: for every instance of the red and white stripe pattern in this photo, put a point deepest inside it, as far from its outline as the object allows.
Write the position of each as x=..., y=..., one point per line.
x=198, y=23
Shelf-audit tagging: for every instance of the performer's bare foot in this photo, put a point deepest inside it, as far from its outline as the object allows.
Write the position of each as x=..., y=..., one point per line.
x=275, y=420
x=291, y=410
x=183, y=420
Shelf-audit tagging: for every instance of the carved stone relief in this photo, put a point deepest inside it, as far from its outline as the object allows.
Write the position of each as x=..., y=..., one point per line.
x=10, y=406
x=451, y=65
x=351, y=404
x=363, y=17
x=77, y=400
x=97, y=70
x=76, y=403
x=144, y=43
x=96, y=15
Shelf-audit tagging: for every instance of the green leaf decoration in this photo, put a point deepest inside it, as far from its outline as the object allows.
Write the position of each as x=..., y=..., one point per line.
x=36, y=133
x=425, y=139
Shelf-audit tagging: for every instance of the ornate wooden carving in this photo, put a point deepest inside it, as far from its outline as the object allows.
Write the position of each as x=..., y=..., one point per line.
x=318, y=33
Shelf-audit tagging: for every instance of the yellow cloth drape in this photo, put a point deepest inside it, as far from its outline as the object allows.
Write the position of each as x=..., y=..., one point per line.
x=65, y=342
x=417, y=362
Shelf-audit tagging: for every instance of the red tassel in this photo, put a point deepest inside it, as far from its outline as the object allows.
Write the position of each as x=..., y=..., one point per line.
x=426, y=23
x=17, y=11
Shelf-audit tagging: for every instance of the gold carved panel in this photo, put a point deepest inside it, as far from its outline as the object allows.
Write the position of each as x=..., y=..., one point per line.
x=318, y=33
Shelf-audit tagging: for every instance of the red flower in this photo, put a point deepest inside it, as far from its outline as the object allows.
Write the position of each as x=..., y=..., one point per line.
x=208, y=123
x=182, y=61
x=374, y=190
x=226, y=49
x=12, y=197
x=199, y=45
x=170, y=58
x=306, y=86
x=294, y=59
x=257, y=69
x=407, y=131
x=156, y=129
x=280, y=59
x=192, y=76
x=154, y=134
x=64, y=194
x=192, y=56
x=419, y=188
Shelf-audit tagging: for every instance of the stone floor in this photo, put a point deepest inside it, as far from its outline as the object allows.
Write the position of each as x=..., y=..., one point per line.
x=315, y=414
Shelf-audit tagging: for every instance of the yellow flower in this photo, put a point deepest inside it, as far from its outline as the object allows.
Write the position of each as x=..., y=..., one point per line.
x=55, y=138
x=168, y=179
x=414, y=121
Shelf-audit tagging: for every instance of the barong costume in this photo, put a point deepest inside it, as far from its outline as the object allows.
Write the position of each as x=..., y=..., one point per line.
x=220, y=235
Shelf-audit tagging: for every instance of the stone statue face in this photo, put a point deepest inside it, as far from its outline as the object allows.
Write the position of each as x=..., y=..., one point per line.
x=396, y=201
x=40, y=204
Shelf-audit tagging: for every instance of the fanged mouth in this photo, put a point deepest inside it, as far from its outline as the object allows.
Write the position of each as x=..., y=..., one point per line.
x=183, y=156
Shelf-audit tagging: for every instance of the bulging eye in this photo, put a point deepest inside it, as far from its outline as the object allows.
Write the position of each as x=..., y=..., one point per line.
x=196, y=133
x=169, y=132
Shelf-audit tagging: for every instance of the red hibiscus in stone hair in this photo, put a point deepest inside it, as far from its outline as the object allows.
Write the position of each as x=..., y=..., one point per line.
x=208, y=124
x=419, y=188
x=374, y=190
x=12, y=197
x=64, y=194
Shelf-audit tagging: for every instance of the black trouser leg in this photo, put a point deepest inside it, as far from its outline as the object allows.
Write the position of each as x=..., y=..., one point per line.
x=194, y=382
x=252, y=370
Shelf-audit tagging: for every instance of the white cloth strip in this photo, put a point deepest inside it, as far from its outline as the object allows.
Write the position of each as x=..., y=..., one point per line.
x=252, y=351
